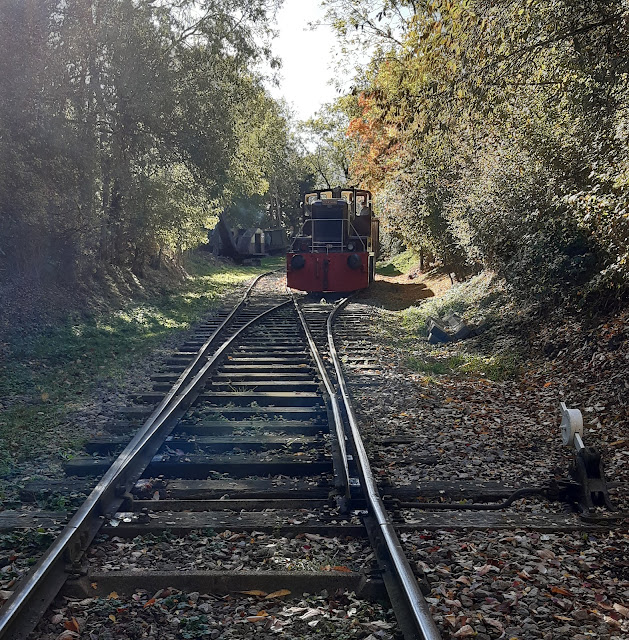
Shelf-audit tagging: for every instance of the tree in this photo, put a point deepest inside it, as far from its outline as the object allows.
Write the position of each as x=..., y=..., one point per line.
x=328, y=149
x=119, y=124
x=492, y=130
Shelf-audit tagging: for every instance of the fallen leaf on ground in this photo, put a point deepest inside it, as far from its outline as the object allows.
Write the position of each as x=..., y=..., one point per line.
x=562, y=591
x=71, y=625
x=494, y=623
x=257, y=618
x=278, y=594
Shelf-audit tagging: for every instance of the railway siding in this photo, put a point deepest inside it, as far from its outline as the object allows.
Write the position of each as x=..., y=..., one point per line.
x=532, y=570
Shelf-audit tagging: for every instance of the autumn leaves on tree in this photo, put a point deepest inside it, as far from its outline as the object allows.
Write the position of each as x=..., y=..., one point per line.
x=495, y=135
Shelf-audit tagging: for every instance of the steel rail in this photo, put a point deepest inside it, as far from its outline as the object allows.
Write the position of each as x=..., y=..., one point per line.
x=334, y=400
x=418, y=606
x=203, y=350
x=24, y=608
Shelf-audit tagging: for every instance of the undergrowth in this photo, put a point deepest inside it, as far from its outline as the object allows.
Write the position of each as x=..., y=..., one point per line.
x=50, y=371
x=398, y=264
x=472, y=296
x=498, y=367
x=481, y=302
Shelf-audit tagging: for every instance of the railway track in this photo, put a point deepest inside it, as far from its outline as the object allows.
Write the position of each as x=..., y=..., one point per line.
x=238, y=482
x=509, y=549
x=248, y=487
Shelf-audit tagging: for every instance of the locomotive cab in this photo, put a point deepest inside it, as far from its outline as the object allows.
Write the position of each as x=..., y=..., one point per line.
x=337, y=246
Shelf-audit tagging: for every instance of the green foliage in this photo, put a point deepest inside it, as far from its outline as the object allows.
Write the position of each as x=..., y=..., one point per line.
x=329, y=151
x=399, y=264
x=497, y=367
x=267, y=168
x=47, y=374
x=494, y=134
x=124, y=128
x=27, y=540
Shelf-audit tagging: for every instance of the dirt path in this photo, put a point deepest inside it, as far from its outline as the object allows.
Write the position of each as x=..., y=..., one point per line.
x=395, y=293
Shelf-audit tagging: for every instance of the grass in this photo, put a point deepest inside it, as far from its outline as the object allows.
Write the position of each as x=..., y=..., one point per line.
x=398, y=265
x=48, y=373
x=469, y=296
x=497, y=367
x=477, y=299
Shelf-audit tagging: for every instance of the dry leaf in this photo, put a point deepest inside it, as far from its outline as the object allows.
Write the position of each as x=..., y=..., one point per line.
x=451, y=620
x=149, y=603
x=341, y=568
x=494, y=623
x=310, y=613
x=254, y=592
x=622, y=610
x=562, y=591
x=112, y=617
x=465, y=632
x=612, y=621
x=94, y=585
x=68, y=635
x=257, y=618
x=278, y=594
x=71, y=625
x=112, y=596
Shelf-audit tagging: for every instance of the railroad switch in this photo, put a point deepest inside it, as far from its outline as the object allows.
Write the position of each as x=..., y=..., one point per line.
x=587, y=468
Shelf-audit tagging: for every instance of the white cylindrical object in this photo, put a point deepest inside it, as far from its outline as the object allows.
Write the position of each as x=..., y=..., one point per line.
x=571, y=425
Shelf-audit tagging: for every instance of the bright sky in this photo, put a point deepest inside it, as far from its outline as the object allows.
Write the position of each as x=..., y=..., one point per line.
x=306, y=58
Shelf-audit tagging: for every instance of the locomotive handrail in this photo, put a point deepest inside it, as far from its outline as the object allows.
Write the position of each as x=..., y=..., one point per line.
x=47, y=577
x=414, y=597
x=352, y=235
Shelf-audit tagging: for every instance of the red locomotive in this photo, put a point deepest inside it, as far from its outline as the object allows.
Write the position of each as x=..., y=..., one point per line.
x=336, y=250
